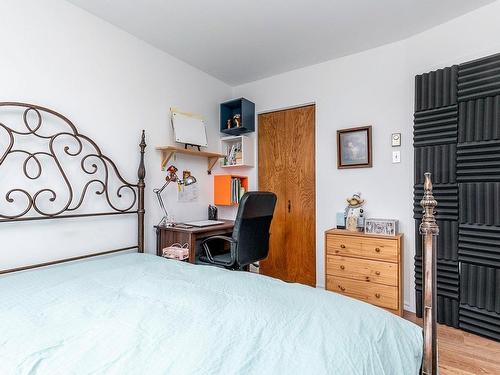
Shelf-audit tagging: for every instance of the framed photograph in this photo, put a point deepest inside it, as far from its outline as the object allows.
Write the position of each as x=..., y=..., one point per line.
x=383, y=227
x=354, y=148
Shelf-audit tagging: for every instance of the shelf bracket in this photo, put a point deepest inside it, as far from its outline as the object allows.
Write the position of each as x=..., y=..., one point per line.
x=211, y=163
x=166, y=155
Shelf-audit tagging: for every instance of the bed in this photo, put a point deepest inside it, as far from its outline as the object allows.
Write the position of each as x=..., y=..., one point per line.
x=135, y=313
x=142, y=314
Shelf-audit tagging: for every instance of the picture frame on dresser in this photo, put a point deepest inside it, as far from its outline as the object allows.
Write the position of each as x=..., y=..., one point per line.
x=383, y=227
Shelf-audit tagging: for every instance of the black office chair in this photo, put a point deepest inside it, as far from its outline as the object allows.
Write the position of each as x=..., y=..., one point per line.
x=250, y=240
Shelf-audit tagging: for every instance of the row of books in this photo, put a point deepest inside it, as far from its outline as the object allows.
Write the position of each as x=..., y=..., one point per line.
x=237, y=190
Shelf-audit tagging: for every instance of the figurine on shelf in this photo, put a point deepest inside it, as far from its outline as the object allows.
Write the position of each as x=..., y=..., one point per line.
x=354, y=213
x=237, y=120
x=229, y=123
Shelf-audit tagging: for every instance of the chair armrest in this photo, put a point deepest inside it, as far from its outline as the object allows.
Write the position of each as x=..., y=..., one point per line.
x=204, y=245
x=225, y=238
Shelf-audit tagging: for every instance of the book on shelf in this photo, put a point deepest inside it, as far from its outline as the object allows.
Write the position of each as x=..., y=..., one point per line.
x=237, y=190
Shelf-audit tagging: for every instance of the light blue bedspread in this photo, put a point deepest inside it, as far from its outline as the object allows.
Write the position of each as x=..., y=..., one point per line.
x=142, y=314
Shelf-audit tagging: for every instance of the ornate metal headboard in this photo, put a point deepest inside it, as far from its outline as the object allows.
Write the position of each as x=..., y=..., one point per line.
x=96, y=171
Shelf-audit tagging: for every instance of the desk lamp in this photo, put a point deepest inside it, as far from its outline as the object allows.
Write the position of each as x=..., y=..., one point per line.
x=171, y=177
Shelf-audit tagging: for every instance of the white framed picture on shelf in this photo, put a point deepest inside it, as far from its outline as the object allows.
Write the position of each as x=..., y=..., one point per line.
x=383, y=227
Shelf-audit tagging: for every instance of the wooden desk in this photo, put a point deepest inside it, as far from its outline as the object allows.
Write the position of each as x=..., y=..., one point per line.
x=166, y=236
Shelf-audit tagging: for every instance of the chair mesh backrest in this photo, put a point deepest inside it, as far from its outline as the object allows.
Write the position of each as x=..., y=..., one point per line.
x=251, y=227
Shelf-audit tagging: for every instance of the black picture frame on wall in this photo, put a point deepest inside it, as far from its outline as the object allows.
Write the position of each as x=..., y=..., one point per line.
x=354, y=147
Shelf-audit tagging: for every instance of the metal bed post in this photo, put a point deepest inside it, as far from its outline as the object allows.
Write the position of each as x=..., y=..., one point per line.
x=141, y=174
x=429, y=231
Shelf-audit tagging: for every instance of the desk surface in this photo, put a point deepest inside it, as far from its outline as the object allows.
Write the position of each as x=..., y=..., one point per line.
x=166, y=236
x=227, y=225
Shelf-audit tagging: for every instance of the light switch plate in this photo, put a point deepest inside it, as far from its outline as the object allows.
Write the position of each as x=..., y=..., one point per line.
x=396, y=156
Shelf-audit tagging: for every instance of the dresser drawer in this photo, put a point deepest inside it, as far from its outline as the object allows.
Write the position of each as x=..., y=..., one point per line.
x=376, y=294
x=362, y=269
x=371, y=248
x=343, y=245
x=380, y=249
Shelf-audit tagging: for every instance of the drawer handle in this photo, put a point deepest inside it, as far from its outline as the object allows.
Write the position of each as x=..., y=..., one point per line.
x=377, y=295
x=342, y=246
x=367, y=278
x=377, y=273
x=342, y=267
x=341, y=288
x=377, y=249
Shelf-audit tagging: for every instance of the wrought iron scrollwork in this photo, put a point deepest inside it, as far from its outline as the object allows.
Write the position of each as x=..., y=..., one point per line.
x=93, y=163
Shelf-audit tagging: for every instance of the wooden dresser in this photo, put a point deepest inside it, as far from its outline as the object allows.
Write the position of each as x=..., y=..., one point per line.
x=366, y=267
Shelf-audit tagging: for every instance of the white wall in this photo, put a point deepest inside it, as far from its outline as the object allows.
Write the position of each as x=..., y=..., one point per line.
x=111, y=85
x=374, y=87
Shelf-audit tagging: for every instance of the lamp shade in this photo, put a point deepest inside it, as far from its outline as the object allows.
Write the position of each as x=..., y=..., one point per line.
x=189, y=180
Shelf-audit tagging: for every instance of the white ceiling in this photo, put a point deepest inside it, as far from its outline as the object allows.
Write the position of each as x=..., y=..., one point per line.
x=240, y=41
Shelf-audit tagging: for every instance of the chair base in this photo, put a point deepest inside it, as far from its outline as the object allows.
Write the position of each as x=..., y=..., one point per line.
x=203, y=260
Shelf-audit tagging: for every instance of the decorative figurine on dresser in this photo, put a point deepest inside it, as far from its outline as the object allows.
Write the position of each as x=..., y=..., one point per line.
x=368, y=267
x=354, y=213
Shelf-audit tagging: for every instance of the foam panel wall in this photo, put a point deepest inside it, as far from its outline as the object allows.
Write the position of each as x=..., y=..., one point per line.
x=435, y=139
x=478, y=176
x=457, y=139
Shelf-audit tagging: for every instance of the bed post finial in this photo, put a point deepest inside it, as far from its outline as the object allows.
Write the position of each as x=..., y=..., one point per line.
x=141, y=174
x=429, y=230
x=428, y=203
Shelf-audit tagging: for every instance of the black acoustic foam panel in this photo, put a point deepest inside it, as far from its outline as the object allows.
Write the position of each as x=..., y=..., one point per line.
x=479, y=244
x=479, y=300
x=480, y=287
x=435, y=143
x=480, y=203
x=479, y=120
x=478, y=161
x=480, y=321
x=436, y=89
x=437, y=159
x=478, y=177
x=479, y=78
x=436, y=126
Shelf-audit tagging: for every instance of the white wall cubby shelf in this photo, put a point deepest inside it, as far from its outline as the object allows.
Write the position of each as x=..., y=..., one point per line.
x=238, y=151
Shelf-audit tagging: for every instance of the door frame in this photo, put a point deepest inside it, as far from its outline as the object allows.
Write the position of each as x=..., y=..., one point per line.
x=306, y=104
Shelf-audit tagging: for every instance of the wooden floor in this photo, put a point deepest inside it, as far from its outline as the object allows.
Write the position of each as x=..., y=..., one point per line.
x=462, y=353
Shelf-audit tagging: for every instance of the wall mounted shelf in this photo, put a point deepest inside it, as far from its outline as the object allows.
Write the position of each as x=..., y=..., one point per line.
x=228, y=189
x=243, y=107
x=168, y=151
x=238, y=151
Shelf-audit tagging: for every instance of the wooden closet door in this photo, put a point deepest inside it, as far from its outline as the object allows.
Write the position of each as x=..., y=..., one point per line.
x=287, y=168
x=301, y=195
x=272, y=177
